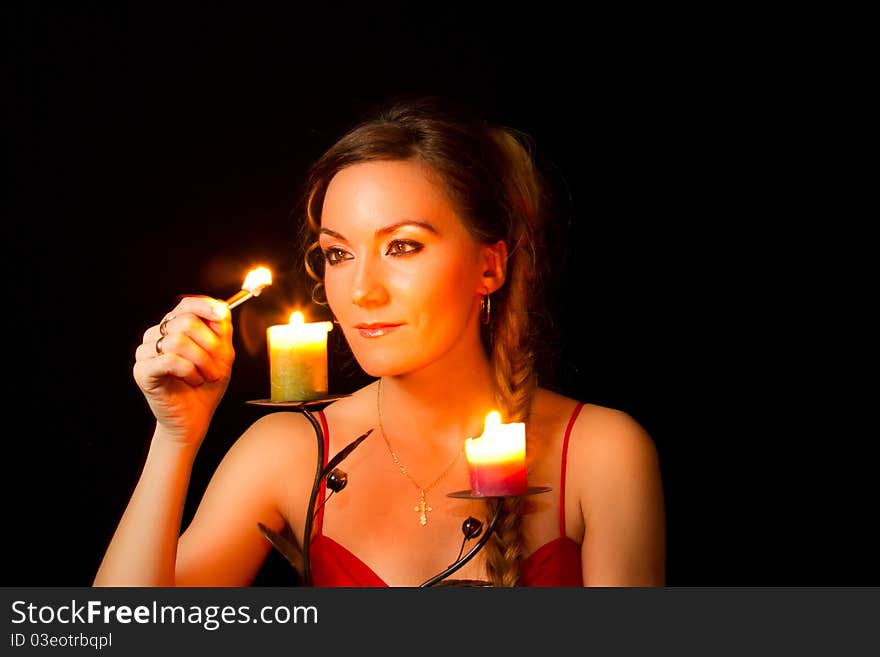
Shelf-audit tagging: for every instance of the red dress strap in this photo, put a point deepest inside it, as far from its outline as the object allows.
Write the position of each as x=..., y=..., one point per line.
x=571, y=420
x=318, y=528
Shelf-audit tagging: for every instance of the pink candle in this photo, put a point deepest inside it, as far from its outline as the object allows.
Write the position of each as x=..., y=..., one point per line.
x=497, y=459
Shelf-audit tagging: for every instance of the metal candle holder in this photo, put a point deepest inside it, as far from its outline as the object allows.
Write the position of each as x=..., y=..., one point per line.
x=322, y=471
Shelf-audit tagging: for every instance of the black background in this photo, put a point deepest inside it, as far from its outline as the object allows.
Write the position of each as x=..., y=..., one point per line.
x=158, y=151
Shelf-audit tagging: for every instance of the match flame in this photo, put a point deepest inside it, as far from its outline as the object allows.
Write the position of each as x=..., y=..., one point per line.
x=256, y=280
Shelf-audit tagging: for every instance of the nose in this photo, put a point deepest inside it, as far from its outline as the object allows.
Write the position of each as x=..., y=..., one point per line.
x=368, y=288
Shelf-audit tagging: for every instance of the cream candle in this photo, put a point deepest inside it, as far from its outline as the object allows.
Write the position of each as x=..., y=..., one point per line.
x=298, y=359
x=497, y=459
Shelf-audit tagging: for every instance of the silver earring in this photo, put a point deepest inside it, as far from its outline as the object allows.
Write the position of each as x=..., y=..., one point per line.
x=486, y=309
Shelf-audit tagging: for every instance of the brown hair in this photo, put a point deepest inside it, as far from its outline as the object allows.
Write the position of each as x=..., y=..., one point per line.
x=490, y=175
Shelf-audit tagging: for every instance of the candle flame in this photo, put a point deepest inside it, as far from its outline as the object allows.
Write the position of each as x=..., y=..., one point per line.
x=497, y=442
x=256, y=280
x=497, y=459
x=296, y=317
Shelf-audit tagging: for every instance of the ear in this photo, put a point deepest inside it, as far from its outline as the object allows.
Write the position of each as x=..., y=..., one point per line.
x=494, y=265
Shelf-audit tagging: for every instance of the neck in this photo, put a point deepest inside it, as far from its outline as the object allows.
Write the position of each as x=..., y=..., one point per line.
x=437, y=408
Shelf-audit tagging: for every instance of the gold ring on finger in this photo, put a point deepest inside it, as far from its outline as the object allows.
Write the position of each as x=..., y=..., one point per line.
x=163, y=325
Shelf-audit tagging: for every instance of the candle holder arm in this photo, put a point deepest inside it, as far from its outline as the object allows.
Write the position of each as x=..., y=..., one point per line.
x=470, y=555
x=285, y=544
x=290, y=553
x=316, y=486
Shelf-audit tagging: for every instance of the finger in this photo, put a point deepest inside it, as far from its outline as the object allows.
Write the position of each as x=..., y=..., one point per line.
x=151, y=372
x=208, y=361
x=218, y=345
x=211, y=310
x=195, y=316
x=163, y=325
x=213, y=363
x=214, y=314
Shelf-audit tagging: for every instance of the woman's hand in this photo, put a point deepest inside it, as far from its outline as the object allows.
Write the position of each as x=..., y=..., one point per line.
x=183, y=367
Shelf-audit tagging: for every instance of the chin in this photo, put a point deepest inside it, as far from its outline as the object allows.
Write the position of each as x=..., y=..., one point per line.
x=378, y=367
x=385, y=361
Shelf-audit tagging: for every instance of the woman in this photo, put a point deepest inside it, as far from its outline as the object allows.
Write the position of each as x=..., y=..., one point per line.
x=427, y=225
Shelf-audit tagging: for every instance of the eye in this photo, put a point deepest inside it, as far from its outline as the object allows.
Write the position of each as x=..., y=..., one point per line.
x=403, y=247
x=334, y=256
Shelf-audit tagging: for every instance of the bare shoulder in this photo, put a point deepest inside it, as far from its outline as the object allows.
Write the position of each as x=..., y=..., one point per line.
x=597, y=432
x=278, y=447
x=274, y=460
x=277, y=435
x=607, y=447
x=616, y=476
x=614, y=499
x=251, y=486
x=600, y=427
x=552, y=411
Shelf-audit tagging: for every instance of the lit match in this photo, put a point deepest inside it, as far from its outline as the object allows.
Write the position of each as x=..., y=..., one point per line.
x=254, y=283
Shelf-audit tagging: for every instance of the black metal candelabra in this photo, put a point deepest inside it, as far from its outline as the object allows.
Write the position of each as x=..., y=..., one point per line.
x=471, y=528
x=321, y=472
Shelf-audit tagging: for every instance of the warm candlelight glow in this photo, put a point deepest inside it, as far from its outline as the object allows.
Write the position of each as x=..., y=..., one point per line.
x=298, y=359
x=497, y=459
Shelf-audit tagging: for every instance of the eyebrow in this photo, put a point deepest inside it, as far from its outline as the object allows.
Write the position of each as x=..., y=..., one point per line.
x=390, y=228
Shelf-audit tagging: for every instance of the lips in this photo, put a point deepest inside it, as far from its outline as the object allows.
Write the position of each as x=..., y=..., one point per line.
x=376, y=330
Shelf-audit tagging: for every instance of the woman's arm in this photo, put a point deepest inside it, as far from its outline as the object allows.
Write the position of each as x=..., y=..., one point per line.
x=222, y=546
x=182, y=367
x=620, y=491
x=265, y=476
x=143, y=548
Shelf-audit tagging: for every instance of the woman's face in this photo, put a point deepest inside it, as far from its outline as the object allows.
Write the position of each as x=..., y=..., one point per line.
x=403, y=275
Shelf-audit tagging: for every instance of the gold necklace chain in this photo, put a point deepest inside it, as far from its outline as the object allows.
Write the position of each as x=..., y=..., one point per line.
x=422, y=507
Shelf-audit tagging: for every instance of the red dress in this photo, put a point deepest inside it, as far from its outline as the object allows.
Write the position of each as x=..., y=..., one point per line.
x=556, y=563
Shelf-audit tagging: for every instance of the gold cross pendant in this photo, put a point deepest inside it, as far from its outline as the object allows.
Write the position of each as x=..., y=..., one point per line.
x=422, y=508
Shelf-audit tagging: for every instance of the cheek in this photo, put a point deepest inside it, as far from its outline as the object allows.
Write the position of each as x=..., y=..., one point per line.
x=335, y=289
x=445, y=293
